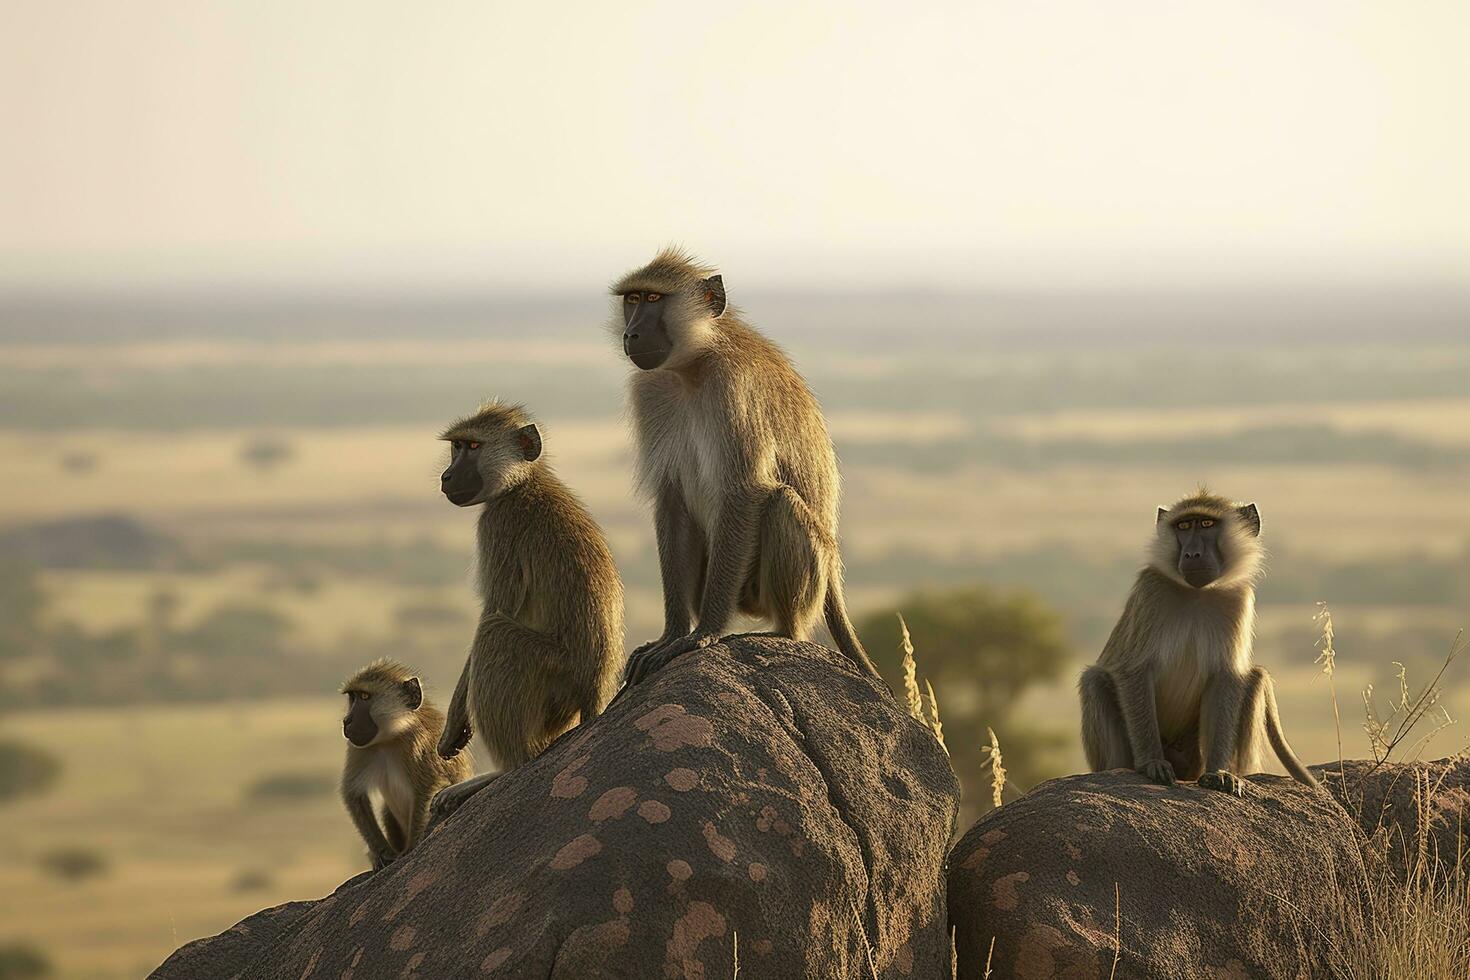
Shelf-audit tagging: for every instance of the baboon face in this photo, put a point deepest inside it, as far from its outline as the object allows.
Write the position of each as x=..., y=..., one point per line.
x=1204, y=540
x=482, y=462
x=1200, y=561
x=374, y=710
x=646, y=338
x=657, y=324
x=463, y=482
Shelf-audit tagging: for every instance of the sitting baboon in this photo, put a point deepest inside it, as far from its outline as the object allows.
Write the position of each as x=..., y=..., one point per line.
x=1175, y=678
x=549, y=646
x=392, y=731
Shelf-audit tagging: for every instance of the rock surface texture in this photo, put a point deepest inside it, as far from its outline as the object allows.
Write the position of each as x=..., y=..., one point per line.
x=1184, y=882
x=761, y=792
x=1175, y=882
x=1392, y=803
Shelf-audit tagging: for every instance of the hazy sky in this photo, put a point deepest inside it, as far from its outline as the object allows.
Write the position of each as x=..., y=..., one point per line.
x=975, y=144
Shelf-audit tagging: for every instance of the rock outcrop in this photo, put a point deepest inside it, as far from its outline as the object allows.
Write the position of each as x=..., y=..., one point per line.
x=1393, y=803
x=1181, y=882
x=762, y=792
x=1173, y=882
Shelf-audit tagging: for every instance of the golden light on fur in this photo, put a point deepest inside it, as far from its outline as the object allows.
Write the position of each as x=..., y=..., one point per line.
x=395, y=760
x=1175, y=695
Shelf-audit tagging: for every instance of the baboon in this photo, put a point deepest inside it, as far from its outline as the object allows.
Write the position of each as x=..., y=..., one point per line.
x=734, y=453
x=1175, y=678
x=391, y=732
x=549, y=646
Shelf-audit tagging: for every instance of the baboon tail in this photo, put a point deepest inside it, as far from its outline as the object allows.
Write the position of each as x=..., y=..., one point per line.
x=1279, y=744
x=835, y=611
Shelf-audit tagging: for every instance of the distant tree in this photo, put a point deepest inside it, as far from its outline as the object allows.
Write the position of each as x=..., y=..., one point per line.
x=21, y=602
x=78, y=463
x=429, y=615
x=252, y=880
x=290, y=787
x=265, y=453
x=22, y=961
x=25, y=769
x=238, y=630
x=74, y=863
x=981, y=650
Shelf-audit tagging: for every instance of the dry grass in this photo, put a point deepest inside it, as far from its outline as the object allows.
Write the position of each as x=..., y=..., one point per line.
x=1412, y=921
x=925, y=714
x=997, y=769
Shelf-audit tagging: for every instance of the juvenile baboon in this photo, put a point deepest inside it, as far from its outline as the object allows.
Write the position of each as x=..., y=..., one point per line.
x=734, y=453
x=549, y=646
x=1175, y=678
x=391, y=732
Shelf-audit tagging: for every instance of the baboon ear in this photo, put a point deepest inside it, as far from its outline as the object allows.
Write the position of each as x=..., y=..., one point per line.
x=413, y=693
x=714, y=295
x=528, y=437
x=1163, y=512
x=1251, y=518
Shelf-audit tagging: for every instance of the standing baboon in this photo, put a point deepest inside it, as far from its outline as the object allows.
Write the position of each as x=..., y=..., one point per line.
x=1175, y=677
x=549, y=646
x=734, y=453
x=391, y=731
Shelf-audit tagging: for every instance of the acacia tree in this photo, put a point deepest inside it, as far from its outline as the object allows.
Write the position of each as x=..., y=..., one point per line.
x=982, y=649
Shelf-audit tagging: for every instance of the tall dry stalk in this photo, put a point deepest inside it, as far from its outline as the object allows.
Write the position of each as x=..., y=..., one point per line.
x=1405, y=712
x=913, y=700
x=1327, y=657
x=934, y=722
x=910, y=673
x=997, y=768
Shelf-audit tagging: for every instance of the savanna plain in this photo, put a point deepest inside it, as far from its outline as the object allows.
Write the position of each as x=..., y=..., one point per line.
x=214, y=508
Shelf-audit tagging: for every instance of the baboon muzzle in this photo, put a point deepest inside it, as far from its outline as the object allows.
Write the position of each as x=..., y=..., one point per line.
x=645, y=338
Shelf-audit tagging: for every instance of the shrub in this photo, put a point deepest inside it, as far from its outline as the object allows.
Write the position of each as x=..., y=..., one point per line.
x=290, y=787
x=74, y=863
x=22, y=961
x=25, y=769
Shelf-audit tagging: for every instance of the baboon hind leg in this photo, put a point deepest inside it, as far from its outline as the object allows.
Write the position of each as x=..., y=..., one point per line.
x=1224, y=713
x=1104, y=732
x=795, y=558
x=393, y=830
x=522, y=694
x=1250, y=734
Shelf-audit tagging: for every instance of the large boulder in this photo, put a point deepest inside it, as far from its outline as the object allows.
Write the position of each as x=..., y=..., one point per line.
x=761, y=792
x=1169, y=882
x=1394, y=803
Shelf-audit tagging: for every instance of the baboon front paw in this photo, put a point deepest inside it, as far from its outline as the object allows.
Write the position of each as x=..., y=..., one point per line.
x=445, y=802
x=643, y=648
x=1158, y=771
x=382, y=859
x=1224, y=781
x=644, y=664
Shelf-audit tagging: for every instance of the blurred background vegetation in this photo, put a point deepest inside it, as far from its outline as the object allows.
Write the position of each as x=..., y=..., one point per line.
x=1047, y=266
x=183, y=587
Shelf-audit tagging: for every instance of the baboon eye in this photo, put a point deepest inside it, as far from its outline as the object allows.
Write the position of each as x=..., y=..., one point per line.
x=1205, y=522
x=474, y=445
x=365, y=696
x=631, y=297
x=655, y=297
x=1184, y=525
